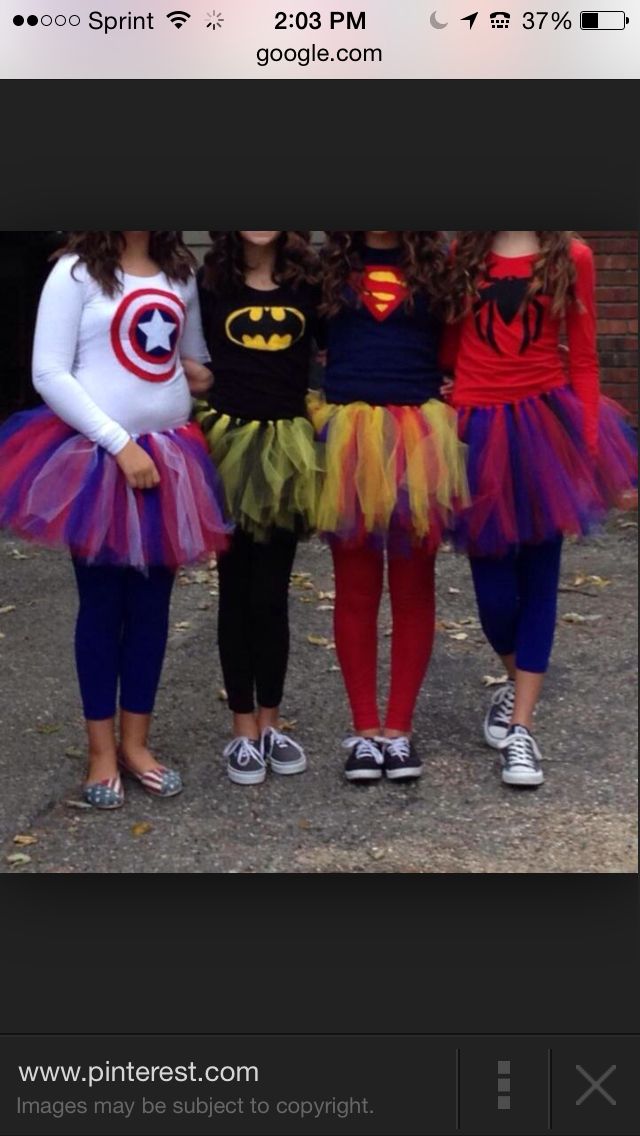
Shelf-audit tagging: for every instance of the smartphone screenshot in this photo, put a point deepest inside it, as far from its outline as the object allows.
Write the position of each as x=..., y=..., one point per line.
x=318, y=570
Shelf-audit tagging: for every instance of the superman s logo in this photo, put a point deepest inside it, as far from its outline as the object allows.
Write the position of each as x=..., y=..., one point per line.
x=382, y=290
x=265, y=328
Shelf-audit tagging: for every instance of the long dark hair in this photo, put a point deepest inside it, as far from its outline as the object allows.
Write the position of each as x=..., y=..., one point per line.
x=554, y=271
x=225, y=265
x=423, y=260
x=101, y=253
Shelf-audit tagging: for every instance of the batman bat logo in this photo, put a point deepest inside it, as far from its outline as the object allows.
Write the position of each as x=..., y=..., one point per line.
x=266, y=329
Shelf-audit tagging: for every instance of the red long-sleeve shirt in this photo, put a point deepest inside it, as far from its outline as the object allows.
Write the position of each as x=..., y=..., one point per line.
x=505, y=350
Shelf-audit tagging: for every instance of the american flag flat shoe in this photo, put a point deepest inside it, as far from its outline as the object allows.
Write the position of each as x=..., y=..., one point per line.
x=105, y=795
x=159, y=782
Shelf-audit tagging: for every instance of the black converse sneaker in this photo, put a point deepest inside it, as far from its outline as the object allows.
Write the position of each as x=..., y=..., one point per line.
x=521, y=759
x=401, y=761
x=498, y=720
x=365, y=761
x=245, y=763
x=283, y=754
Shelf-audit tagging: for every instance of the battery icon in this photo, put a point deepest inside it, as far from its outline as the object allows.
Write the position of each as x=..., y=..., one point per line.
x=603, y=21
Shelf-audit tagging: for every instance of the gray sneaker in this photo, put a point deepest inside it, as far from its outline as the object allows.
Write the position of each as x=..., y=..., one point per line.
x=283, y=754
x=521, y=759
x=245, y=763
x=497, y=722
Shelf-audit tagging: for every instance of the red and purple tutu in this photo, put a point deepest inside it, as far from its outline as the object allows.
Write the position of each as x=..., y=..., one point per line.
x=59, y=489
x=532, y=477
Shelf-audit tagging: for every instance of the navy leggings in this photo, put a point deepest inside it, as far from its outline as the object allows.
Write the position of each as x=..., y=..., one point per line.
x=518, y=602
x=121, y=637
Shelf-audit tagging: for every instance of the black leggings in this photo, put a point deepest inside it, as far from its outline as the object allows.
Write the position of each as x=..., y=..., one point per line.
x=253, y=618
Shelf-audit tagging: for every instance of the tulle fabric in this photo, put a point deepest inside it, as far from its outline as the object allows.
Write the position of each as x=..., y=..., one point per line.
x=59, y=489
x=532, y=477
x=270, y=471
x=395, y=475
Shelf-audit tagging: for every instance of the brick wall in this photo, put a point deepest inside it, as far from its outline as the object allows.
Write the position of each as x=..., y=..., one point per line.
x=616, y=253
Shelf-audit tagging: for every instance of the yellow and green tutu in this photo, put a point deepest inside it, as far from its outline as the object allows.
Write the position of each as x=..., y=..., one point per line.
x=270, y=471
x=395, y=475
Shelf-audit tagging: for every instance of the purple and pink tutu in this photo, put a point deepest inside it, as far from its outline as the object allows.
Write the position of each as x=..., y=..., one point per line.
x=59, y=489
x=531, y=474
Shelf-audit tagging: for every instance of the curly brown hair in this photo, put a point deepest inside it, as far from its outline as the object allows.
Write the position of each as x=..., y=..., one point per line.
x=101, y=253
x=554, y=272
x=423, y=259
x=225, y=266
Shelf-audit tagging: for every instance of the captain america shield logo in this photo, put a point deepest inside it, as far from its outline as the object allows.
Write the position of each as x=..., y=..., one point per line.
x=145, y=333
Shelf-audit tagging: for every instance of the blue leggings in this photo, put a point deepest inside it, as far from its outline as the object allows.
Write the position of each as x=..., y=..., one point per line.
x=121, y=637
x=518, y=602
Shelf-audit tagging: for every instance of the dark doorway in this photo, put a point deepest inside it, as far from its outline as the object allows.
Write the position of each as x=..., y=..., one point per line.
x=24, y=266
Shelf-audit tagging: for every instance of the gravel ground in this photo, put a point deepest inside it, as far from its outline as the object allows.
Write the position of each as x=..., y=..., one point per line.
x=458, y=819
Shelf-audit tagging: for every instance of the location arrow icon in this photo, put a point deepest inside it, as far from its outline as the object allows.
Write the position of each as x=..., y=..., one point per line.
x=472, y=19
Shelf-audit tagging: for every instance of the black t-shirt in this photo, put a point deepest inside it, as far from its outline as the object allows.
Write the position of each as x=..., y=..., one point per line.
x=260, y=345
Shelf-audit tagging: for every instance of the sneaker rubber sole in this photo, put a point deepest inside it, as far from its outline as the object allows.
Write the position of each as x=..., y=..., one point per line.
x=404, y=774
x=363, y=775
x=288, y=768
x=257, y=778
x=527, y=779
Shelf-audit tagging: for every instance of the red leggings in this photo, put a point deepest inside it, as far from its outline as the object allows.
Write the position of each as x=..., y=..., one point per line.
x=359, y=582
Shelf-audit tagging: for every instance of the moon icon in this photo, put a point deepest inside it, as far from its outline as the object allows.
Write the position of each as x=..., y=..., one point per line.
x=433, y=20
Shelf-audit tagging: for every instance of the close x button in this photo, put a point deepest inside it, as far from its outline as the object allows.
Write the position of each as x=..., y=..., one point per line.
x=594, y=1086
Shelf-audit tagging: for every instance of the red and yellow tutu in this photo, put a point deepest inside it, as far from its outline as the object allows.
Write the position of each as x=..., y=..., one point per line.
x=394, y=475
x=532, y=477
x=59, y=489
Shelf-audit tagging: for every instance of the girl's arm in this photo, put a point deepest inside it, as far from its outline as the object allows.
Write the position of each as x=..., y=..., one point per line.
x=56, y=342
x=584, y=372
x=193, y=345
x=199, y=377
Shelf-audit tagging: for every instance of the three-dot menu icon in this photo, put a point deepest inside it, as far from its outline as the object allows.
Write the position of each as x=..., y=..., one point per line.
x=504, y=1086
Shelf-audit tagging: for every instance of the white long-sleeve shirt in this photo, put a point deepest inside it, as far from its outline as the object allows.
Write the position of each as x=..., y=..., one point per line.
x=111, y=367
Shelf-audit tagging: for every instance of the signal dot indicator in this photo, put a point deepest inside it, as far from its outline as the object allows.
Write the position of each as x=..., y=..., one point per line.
x=18, y=21
x=32, y=21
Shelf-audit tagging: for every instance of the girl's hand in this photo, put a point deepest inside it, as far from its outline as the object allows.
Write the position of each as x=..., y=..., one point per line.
x=446, y=390
x=140, y=471
x=199, y=377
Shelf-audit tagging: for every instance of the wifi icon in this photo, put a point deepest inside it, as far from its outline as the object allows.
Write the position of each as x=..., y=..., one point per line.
x=178, y=19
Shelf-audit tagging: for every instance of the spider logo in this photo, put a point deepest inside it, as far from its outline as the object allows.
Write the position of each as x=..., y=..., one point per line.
x=507, y=297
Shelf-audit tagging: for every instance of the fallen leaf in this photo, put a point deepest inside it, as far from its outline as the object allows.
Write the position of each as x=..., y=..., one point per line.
x=628, y=524
x=490, y=680
x=332, y=670
x=201, y=578
x=7, y=608
x=318, y=640
x=25, y=841
x=184, y=625
x=575, y=617
x=326, y=607
x=77, y=805
x=48, y=728
x=222, y=695
x=326, y=595
x=143, y=828
x=304, y=824
x=286, y=726
x=450, y=624
x=73, y=751
x=2, y=635
x=377, y=853
x=454, y=591
x=17, y=858
x=597, y=581
x=17, y=554
x=459, y=637
x=204, y=606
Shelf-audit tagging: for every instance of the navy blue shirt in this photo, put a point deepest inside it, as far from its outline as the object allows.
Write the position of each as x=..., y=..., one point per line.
x=380, y=350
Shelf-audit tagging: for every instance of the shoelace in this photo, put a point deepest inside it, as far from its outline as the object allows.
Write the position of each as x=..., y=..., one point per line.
x=244, y=751
x=283, y=742
x=505, y=701
x=364, y=747
x=520, y=751
x=399, y=748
